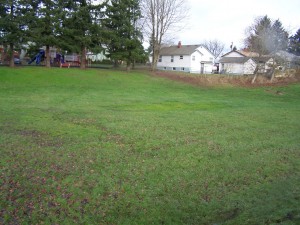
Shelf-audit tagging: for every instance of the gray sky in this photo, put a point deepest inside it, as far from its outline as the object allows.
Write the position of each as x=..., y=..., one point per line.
x=226, y=20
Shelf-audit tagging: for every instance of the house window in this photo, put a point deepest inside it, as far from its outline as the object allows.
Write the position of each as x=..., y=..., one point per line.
x=160, y=59
x=182, y=68
x=165, y=68
x=193, y=58
x=181, y=57
x=172, y=58
x=174, y=68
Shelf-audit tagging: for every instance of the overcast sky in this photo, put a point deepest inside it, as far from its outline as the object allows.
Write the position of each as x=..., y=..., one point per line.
x=226, y=20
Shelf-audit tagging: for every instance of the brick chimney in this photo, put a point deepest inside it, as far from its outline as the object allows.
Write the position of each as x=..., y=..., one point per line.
x=179, y=44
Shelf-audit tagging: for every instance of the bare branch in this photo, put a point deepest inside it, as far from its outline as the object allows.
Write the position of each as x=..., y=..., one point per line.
x=160, y=19
x=215, y=46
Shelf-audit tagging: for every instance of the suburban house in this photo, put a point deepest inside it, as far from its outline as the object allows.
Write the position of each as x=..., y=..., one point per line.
x=244, y=63
x=186, y=58
x=290, y=60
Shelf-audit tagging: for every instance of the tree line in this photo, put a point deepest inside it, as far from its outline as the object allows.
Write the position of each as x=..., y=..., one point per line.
x=81, y=25
x=119, y=26
x=266, y=36
x=74, y=26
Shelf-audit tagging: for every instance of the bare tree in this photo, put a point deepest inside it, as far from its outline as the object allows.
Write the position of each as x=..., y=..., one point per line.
x=215, y=46
x=160, y=19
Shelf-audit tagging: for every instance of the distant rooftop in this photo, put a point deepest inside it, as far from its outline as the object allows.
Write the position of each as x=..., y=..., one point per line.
x=179, y=49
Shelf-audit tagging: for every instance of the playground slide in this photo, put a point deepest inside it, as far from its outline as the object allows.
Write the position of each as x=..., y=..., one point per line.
x=38, y=58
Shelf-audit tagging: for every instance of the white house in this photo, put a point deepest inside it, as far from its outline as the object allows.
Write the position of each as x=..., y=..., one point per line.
x=238, y=63
x=186, y=58
x=289, y=60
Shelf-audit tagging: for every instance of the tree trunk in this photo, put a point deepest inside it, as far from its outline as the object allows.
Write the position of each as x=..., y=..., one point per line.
x=48, y=64
x=154, y=61
x=254, y=78
x=156, y=51
x=255, y=75
x=273, y=71
x=83, y=58
x=272, y=75
x=12, y=57
x=116, y=64
x=128, y=66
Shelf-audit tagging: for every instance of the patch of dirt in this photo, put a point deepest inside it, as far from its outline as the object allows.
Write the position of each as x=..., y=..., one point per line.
x=225, y=80
x=42, y=139
x=274, y=92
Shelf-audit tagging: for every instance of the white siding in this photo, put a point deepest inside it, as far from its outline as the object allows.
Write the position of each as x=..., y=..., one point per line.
x=202, y=55
x=249, y=67
x=269, y=64
x=206, y=55
x=177, y=62
x=246, y=68
x=187, y=64
x=233, y=68
x=195, y=64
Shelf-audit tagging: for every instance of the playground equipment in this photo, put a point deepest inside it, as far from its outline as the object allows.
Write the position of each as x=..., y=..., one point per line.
x=57, y=59
x=72, y=60
x=38, y=58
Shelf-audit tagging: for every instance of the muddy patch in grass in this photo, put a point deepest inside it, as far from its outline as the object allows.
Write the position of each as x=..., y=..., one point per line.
x=42, y=139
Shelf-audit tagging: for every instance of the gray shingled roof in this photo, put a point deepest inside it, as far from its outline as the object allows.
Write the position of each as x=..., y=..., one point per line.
x=235, y=52
x=234, y=60
x=243, y=59
x=183, y=50
x=263, y=59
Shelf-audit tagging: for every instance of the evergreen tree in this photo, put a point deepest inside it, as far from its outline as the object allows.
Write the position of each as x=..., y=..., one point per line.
x=44, y=23
x=80, y=28
x=265, y=36
x=294, y=44
x=278, y=37
x=123, y=37
x=12, y=26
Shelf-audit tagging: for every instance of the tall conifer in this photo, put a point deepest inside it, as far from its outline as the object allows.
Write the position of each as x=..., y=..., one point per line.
x=123, y=36
x=12, y=26
x=80, y=28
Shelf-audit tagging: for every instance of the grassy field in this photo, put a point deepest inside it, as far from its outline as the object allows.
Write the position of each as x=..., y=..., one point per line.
x=109, y=147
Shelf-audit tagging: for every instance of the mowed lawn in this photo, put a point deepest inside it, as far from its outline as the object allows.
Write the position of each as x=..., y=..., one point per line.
x=110, y=147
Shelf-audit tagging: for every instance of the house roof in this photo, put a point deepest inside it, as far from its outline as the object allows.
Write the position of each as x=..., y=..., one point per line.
x=232, y=52
x=234, y=59
x=175, y=50
x=249, y=53
x=287, y=56
x=263, y=59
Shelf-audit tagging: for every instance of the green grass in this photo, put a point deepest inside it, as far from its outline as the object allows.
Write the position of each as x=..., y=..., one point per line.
x=109, y=147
